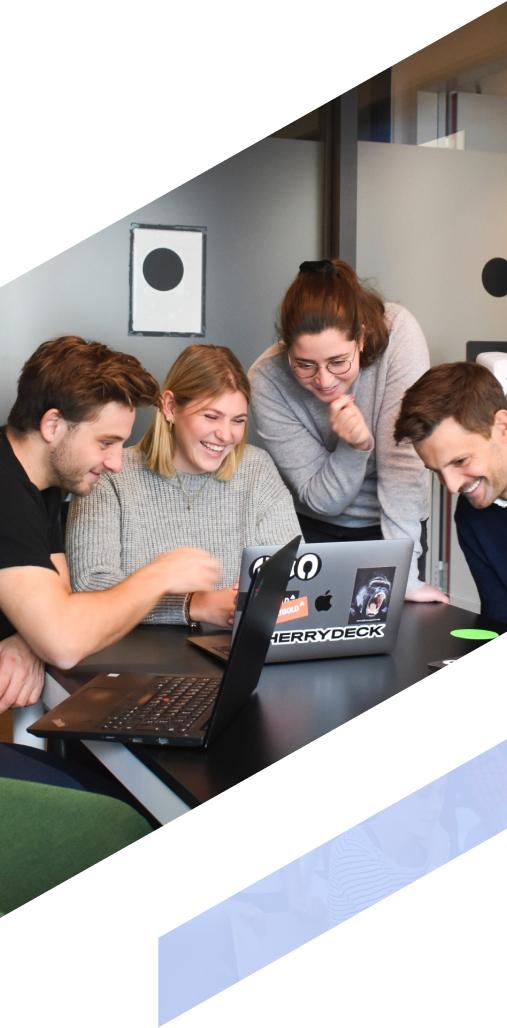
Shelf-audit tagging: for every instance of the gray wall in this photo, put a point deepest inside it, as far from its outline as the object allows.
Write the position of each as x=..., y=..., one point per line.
x=427, y=222
x=261, y=210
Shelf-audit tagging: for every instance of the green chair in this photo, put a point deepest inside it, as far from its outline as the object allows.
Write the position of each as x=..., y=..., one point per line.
x=48, y=834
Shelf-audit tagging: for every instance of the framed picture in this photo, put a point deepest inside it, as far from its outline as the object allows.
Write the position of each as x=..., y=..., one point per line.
x=167, y=280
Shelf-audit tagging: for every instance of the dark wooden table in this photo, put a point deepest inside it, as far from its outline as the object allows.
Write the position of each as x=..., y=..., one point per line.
x=294, y=703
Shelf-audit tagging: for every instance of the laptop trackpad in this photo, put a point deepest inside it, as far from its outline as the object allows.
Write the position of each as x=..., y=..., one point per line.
x=102, y=698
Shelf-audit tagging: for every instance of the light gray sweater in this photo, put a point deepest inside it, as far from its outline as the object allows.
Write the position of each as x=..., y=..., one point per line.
x=131, y=517
x=330, y=480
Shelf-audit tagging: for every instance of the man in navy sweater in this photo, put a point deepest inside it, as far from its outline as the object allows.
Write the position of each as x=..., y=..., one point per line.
x=456, y=417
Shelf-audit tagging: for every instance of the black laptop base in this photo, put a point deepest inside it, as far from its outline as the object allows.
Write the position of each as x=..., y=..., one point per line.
x=155, y=715
x=154, y=708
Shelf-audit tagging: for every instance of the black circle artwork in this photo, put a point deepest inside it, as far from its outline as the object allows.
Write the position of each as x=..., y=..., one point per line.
x=163, y=269
x=494, y=276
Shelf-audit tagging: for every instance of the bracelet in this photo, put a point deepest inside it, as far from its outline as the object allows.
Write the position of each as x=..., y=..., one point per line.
x=186, y=612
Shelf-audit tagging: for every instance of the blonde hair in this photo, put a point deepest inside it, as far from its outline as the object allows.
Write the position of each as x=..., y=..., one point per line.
x=201, y=371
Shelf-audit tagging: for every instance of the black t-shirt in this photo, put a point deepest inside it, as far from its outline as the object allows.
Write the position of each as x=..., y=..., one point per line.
x=30, y=521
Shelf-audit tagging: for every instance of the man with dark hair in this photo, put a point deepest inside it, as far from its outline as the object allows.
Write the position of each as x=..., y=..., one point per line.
x=456, y=417
x=75, y=408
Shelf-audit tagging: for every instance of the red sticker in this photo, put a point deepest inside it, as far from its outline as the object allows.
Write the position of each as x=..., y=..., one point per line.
x=293, y=609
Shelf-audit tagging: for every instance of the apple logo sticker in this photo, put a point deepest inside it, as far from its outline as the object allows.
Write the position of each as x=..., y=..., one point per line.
x=324, y=602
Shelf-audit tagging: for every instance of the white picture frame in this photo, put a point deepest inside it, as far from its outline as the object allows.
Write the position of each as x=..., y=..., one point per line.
x=167, y=280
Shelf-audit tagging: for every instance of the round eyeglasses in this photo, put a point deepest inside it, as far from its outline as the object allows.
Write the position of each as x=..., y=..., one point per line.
x=336, y=366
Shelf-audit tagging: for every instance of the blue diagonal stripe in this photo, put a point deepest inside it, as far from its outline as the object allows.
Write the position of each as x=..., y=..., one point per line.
x=319, y=890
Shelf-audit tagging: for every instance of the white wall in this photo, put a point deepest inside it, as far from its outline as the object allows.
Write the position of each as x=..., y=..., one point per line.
x=483, y=119
x=262, y=212
x=460, y=57
x=428, y=220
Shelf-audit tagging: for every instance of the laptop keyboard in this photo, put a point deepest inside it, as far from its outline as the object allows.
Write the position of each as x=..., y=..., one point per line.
x=177, y=703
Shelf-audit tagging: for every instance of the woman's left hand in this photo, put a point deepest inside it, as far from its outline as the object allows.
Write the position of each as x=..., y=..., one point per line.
x=218, y=607
x=349, y=424
x=427, y=594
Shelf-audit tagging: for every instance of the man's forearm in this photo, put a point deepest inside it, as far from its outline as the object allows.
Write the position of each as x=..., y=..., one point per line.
x=63, y=627
x=91, y=621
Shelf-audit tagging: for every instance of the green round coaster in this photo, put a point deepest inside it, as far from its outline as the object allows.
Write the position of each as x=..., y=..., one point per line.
x=473, y=633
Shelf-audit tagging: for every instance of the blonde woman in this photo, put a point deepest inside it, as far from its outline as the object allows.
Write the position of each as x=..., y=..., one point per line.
x=192, y=480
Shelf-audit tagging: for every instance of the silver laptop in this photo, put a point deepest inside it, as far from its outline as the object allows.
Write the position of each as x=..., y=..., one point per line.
x=343, y=599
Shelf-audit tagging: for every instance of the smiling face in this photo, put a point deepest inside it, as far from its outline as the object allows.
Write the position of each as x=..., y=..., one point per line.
x=205, y=430
x=320, y=352
x=467, y=462
x=80, y=454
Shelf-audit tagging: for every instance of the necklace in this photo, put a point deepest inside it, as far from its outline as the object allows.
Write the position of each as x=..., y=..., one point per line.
x=191, y=496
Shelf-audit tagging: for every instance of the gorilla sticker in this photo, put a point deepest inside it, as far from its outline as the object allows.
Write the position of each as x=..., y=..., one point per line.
x=371, y=596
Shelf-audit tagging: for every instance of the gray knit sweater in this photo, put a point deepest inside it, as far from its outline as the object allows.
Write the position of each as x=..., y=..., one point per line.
x=329, y=479
x=131, y=517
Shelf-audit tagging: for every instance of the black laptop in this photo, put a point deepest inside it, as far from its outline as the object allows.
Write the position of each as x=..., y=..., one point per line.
x=179, y=710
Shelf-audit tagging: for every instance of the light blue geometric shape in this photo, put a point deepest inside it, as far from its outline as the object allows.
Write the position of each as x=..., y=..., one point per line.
x=332, y=883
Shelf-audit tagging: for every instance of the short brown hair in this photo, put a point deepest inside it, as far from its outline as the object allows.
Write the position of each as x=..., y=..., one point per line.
x=78, y=378
x=462, y=390
x=328, y=294
x=201, y=371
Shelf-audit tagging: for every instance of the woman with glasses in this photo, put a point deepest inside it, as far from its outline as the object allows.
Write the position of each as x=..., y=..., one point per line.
x=324, y=402
x=192, y=480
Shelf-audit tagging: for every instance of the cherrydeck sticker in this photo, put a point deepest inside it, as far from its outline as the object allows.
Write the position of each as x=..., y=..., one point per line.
x=371, y=596
x=313, y=635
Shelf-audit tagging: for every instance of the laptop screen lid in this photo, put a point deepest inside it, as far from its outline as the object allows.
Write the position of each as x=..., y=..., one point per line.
x=342, y=598
x=252, y=635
